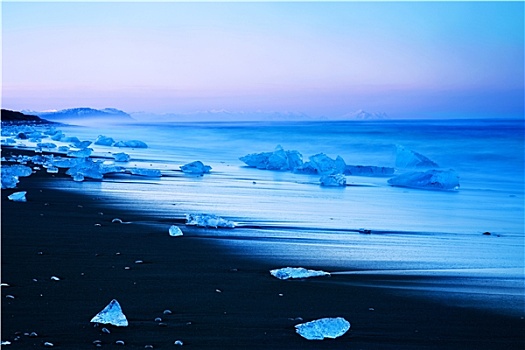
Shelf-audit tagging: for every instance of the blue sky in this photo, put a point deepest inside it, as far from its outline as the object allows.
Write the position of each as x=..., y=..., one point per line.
x=408, y=59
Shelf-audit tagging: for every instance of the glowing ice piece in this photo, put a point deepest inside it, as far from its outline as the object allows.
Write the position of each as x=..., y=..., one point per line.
x=207, y=220
x=18, y=196
x=296, y=272
x=111, y=314
x=443, y=180
x=196, y=167
x=335, y=180
x=175, y=231
x=323, y=328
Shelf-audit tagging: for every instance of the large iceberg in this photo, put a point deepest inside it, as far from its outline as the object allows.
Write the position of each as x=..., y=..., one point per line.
x=111, y=314
x=326, y=165
x=323, y=328
x=368, y=170
x=296, y=272
x=279, y=159
x=208, y=220
x=104, y=141
x=196, y=167
x=444, y=180
x=131, y=144
x=406, y=158
x=335, y=180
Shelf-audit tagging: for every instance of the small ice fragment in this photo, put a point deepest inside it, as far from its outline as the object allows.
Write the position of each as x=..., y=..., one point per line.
x=120, y=342
x=81, y=153
x=323, y=328
x=167, y=312
x=208, y=220
x=406, y=158
x=121, y=157
x=5, y=342
x=178, y=342
x=105, y=330
x=443, y=180
x=104, y=141
x=4, y=285
x=131, y=144
x=175, y=231
x=33, y=335
x=146, y=172
x=52, y=170
x=196, y=167
x=48, y=344
x=335, y=180
x=18, y=196
x=55, y=278
x=111, y=314
x=116, y=221
x=296, y=272
x=158, y=319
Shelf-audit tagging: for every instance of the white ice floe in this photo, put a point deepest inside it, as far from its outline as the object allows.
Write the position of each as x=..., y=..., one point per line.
x=335, y=180
x=296, y=272
x=175, y=231
x=18, y=196
x=196, y=167
x=207, y=220
x=323, y=328
x=443, y=180
x=111, y=314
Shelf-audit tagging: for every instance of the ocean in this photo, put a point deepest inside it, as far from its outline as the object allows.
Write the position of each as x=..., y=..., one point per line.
x=292, y=220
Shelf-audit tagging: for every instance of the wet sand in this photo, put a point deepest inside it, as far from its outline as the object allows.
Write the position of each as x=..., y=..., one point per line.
x=218, y=300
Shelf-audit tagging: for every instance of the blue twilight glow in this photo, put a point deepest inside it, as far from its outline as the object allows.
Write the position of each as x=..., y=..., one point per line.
x=413, y=59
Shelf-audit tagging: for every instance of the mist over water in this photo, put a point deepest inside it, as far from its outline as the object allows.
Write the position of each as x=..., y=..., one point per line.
x=301, y=223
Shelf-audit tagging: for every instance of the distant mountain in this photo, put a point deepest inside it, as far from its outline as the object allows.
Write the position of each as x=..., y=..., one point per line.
x=364, y=115
x=18, y=117
x=86, y=115
x=222, y=115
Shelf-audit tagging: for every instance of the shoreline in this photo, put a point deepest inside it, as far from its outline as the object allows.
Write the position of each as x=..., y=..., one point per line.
x=218, y=300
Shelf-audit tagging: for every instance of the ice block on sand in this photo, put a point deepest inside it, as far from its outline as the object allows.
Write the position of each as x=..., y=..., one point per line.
x=207, y=220
x=296, y=272
x=323, y=328
x=111, y=314
x=443, y=180
x=196, y=167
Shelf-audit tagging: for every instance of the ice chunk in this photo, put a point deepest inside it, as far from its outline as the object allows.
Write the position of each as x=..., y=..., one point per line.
x=63, y=149
x=145, y=172
x=52, y=170
x=11, y=173
x=112, y=314
x=406, y=158
x=175, y=231
x=335, y=180
x=131, y=144
x=82, y=144
x=18, y=196
x=81, y=153
x=196, y=167
x=444, y=180
x=279, y=159
x=368, y=170
x=71, y=139
x=121, y=157
x=326, y=165
x=46, y=145
x=85, y=167
x=323, y=328
x=104, y=141
x=296, y=272
x=207, y=220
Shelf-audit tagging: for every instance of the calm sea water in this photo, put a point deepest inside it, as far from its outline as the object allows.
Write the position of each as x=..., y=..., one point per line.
x=303, y=224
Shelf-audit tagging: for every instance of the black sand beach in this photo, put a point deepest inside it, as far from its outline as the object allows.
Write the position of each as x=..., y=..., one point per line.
x=218, y=301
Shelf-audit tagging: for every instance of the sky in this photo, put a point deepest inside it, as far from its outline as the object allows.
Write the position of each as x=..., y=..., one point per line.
x=407, y=59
